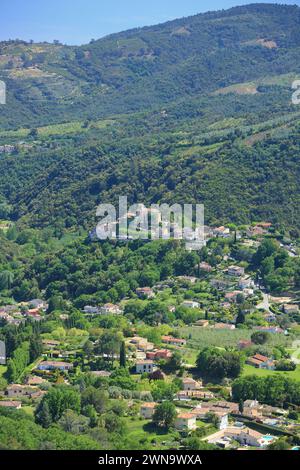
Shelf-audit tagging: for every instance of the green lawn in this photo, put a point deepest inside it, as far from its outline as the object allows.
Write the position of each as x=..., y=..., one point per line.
x=2, y=370
x=29, y=410
x=145, y=435
x=202, y=337
x=250, y=370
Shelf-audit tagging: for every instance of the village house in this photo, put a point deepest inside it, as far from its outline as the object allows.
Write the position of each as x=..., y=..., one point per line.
x=145, y=292
x=55, y=365
x=191, y=279
x=221, y=232
x=33, y=313
x=111, y=309
x=270, y=317
x=221, y=414
x=185, y=421
x=245, y=283
x=39, y=304
x=205, y=267
x=224, y=326
x=17, y=390
x=245, y=436
x=141, y=343
x=236, y=271
x=191, y=384
x=89, y=309
x=7, y=148
x=269, y=329
x=147, y=410
x=100, y=373
x=35, y=380
x=201, y=323
x=261, y=362
x=9, y=319
x=190, y=304
x=11, y=404
x=50, y=344
x=219, y=284
x=173, y=341
x=159, y=354
x=291, y=308
x=185, y=395
x=147, y=366
x=232, y=296
x=252, y=408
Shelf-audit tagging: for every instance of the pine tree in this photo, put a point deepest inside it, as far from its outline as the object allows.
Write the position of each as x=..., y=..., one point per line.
x=42, y=415
x=123, y=355
x=241, y=406
x=36, y=348
x=11, y=373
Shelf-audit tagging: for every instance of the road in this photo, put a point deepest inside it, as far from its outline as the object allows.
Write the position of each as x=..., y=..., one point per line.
x=265, y=304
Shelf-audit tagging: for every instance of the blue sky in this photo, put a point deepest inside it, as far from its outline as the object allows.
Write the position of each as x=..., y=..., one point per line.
x=78, y=21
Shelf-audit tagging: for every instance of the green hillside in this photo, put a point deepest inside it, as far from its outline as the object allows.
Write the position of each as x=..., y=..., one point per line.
x=193, y=110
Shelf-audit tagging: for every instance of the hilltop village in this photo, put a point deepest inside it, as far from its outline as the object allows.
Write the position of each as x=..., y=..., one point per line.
x=205, y=359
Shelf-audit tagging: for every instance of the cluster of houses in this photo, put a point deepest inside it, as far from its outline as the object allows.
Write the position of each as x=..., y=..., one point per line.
x=106, y=309
x=224, y=412
x=261, y=362
x=16, y=314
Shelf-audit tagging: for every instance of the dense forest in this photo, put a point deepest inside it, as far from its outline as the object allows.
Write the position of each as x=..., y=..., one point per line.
x=193, y=110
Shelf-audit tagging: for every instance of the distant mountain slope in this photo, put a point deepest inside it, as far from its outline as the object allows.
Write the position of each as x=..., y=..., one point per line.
x=148, y=67
x=193, y=110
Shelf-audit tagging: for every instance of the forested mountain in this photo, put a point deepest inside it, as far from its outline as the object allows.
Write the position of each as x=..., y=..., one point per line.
x=149, y=66
x=194, y=110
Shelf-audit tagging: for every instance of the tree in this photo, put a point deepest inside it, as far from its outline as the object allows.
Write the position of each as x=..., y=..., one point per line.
x=33, y=133
x=59, y=399
x=280, y=444
x=240, y=319
x=96, y=397
x=260, y=337
x=55, y=303
x=36, y=348
x=109, y=345
x=88, y=349
x=174, y=363
x=216, y=364
x=241, y=406
x=11, y=372
x=6, y=280
x=194, y=443
x=72, y=422
x=123, y=354
x=212, y=418
x=165, y=414
x=42, y=415
x=114, y=423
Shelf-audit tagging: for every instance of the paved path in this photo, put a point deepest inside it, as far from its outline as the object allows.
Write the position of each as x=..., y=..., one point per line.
x=265, y=304
x=296, y=354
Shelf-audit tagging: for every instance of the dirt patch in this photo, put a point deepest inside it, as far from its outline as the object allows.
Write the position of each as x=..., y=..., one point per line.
x=267, y=44
x=183, y=31
x=239, y=89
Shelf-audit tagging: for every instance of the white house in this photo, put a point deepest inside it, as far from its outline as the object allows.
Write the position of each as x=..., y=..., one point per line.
x=191, y=384
x=245, y=283
x=148, y=409
x=236, y=271
x=91, y=310
x=185, y=421
x=147, y=366
x=190, y=304
x=110, y=309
